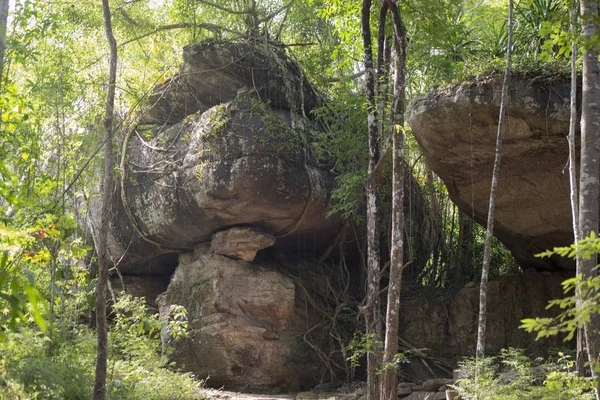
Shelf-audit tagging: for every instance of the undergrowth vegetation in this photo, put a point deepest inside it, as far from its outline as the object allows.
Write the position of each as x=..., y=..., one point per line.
x=33, y=366
x=512, y=375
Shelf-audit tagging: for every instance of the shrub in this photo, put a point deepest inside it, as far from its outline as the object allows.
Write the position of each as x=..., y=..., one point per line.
x=512, y=375
x=31, y=368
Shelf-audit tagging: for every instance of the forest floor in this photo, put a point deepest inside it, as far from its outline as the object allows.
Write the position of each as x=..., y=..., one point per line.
x=224, y=395
x=342, y=394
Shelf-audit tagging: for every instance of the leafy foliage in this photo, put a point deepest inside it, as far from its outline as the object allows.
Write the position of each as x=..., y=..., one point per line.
x=512, y=375
x=582, y=295
x=363, y=344
x=29, y=370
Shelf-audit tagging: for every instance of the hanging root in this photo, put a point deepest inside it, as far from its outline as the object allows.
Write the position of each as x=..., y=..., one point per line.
x=126, y=207
x=427, y=361
x=326, y=298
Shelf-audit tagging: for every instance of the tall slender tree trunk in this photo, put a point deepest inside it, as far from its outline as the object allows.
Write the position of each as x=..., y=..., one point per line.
x=381, y=78
x=389, y=386
x=492, y=206
x=589, y=176
x=573, y=175
x=371, y=308
x=103, y=256
x=3, y=27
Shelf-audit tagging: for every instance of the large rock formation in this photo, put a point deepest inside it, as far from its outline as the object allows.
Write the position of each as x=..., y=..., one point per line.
x=246, y=324
x=456, y=127
x=447, y=325
x=239, y=154
x=218, y=185
x=218, y=168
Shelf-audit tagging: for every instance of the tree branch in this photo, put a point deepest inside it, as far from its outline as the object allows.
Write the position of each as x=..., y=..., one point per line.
x=127, y=18
x=183, y=25
x=220, y=7
x=276, y=12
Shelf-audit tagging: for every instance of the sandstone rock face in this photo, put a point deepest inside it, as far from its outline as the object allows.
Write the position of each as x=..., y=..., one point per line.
x=433, y=385
x=245, y=325
x=456, y=127
x=448, y=325
x=242, y=158
x=241, y=243
x=420, y=396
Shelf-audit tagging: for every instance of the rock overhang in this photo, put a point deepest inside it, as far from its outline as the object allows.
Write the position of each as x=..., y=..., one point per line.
x=456, y=128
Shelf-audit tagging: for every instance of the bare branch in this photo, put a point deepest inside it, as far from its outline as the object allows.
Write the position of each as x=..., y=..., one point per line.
x=343, y=78
x=276, y=12
x=228, y=10
x=209, y=27
x=127, y=18
x=299, y=44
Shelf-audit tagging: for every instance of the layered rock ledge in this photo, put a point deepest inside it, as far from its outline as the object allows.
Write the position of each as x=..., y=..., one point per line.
x=447, y=325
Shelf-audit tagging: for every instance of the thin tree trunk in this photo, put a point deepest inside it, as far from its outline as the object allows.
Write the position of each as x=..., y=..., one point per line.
x=382, y=69
x=589, y=177
x=573, y=176
x=371, y=308
x=492, y=206
x=436, y=232
x=389, y=386
x=464, y=268
x=103, y=256
x=3, y=26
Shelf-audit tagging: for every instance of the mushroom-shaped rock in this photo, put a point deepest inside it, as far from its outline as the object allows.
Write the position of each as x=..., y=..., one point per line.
x=456, y=127
x=242, y=158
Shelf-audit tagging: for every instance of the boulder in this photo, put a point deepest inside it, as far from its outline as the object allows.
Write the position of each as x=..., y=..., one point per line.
x=433, y=385
x=447, y=326
x=456, y=127
x=240, y=157
x=215, y=72
x=404, y=390
x=420, y=396
x=241, y=243
x=451, y=394
x=245, y=325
